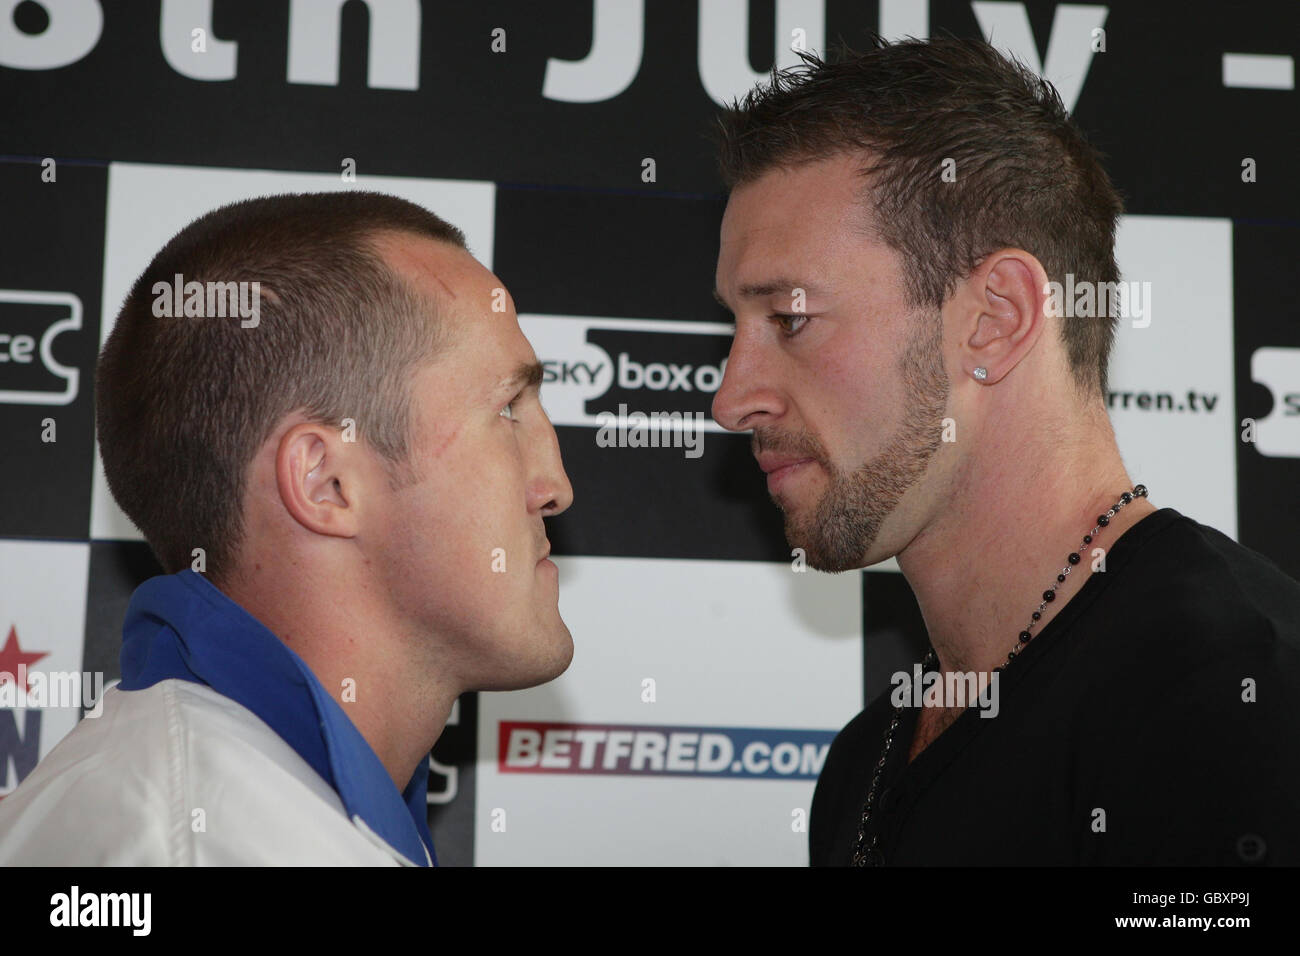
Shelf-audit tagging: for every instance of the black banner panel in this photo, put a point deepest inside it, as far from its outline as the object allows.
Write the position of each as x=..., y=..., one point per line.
x=572, y=142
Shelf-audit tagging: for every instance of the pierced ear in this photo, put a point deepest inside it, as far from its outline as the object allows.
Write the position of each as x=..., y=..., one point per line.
x=314, y=472
x=1009, y=286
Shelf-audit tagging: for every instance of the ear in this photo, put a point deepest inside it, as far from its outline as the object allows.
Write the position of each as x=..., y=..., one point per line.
x=319, y=479
x=1004, y=299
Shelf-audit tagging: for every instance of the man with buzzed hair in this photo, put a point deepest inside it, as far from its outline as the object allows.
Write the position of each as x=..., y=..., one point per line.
x=896, y=221
x=362, y=464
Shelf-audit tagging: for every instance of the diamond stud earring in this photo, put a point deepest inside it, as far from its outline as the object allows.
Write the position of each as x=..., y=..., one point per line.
x=981, y=373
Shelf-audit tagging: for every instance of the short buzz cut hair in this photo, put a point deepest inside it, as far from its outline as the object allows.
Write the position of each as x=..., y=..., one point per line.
x=183, y=403
x=1025, y=176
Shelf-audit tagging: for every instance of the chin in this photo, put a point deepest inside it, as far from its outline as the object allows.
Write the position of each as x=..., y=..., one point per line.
x=554, y=649
x=545, y=656
x=564, y=650
x=830, y=557
x=562, y=662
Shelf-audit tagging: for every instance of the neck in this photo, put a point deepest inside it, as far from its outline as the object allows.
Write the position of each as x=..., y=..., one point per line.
x=397, y=701
x=980, y=568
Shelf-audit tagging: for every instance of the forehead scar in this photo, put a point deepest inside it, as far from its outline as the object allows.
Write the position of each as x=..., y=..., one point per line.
x=445, y=288
x=395, y=248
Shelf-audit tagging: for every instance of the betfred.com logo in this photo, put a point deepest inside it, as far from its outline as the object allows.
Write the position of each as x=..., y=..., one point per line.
x=627, y=749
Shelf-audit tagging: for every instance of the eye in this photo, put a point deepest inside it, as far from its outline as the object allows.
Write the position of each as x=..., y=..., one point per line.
x=508, y=410
x=784, y=318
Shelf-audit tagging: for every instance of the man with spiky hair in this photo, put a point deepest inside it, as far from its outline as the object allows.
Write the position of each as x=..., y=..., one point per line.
x=896, y=222
x=346, y=483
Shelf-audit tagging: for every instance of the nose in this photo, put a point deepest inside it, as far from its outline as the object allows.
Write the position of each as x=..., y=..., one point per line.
x=550, y=492
x=746, y=397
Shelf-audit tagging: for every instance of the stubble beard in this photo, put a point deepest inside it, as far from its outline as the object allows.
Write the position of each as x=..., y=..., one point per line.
x=838, y=531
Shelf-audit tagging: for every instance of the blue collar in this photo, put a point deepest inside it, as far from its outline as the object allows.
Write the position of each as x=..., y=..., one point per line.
x=181, y=626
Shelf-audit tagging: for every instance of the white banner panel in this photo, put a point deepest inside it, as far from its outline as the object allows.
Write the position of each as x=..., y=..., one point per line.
x=147, y=205
x=1172, y=401
x=692, y=722
x=42, y=628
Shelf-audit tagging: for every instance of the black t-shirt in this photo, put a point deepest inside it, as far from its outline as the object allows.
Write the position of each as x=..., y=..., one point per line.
x=1125, y=712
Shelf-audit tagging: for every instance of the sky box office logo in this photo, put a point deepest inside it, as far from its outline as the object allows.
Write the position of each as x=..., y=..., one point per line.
x=29, y=324
x=1277, y=434
x=594, y=365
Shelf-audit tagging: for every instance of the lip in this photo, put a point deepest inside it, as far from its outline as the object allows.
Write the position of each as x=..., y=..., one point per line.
x=545, y=554
x=781, y=470
x=771, y=463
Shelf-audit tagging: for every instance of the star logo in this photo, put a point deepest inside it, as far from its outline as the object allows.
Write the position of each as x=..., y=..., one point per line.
x=12, y=655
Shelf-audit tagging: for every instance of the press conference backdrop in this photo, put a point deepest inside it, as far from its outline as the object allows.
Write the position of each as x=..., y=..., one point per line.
x=570, y=140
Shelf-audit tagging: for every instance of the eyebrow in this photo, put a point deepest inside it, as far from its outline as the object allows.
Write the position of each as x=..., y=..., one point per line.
x=759, y=290
x=527, y=375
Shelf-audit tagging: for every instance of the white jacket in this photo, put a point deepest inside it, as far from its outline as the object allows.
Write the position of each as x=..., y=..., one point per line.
x=179, y=775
